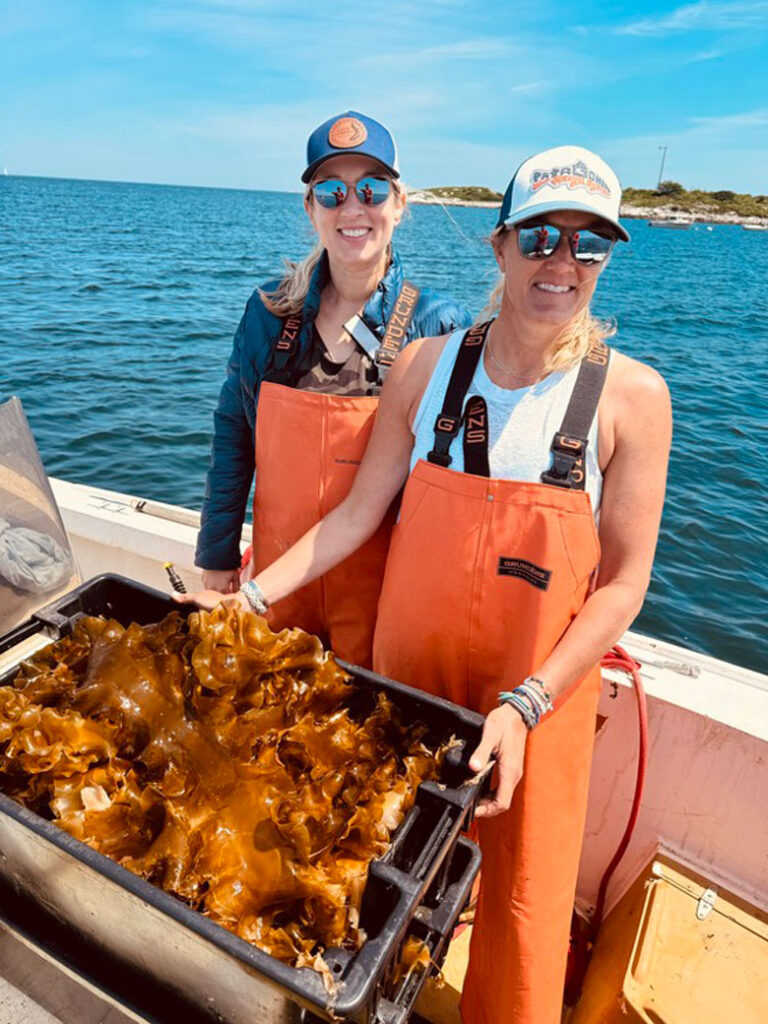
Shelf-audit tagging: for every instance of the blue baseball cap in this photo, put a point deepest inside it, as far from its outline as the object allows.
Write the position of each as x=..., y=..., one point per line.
x=351, y=133
x=565, y=178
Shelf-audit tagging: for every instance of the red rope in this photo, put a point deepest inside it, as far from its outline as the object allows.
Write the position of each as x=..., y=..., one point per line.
x=617, y=658
x=583, y=937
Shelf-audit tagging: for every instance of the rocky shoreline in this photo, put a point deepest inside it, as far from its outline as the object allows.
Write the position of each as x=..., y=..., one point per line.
x=696, y=216
x=422, y=198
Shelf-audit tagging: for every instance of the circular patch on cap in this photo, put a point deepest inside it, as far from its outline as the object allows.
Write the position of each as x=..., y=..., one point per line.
x=346, y=133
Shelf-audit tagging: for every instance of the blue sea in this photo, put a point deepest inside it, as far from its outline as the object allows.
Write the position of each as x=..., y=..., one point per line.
x=118, y=303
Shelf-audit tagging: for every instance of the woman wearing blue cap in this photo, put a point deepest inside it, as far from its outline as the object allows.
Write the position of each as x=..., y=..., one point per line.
x=309, y=358
x=503, y=589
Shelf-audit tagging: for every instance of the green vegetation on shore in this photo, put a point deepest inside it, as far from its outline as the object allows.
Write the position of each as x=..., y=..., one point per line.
x=466, y=193
x=672, y=196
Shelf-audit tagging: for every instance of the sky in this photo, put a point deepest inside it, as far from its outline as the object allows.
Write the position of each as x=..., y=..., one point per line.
x=225, y=92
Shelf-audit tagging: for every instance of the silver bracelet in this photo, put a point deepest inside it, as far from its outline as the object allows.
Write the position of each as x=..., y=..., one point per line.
x=254, y=595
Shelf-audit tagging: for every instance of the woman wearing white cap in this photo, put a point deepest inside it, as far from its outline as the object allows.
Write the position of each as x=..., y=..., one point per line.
x=311, y=351
x=500, y=592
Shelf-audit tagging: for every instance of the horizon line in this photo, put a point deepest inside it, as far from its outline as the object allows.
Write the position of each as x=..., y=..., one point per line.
x=284, y=191
x=149, y=184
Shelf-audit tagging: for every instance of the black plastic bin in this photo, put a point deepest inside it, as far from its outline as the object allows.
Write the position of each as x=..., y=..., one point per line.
x=163, y=961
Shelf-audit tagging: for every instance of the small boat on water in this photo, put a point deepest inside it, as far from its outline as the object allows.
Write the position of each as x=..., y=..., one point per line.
x=680, y=223
x=755, y=227
x=685, y=934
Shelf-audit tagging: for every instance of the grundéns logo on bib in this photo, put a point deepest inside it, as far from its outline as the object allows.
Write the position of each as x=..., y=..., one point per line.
x=523, y=570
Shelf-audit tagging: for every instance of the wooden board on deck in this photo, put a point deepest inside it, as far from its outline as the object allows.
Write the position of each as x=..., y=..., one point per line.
x=439, y=1002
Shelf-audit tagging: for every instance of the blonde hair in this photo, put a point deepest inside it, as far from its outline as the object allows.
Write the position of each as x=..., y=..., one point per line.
x=291, y=293
x=572, y=343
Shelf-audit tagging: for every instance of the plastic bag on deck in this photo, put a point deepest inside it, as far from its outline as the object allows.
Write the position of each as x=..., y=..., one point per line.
x=36, y=560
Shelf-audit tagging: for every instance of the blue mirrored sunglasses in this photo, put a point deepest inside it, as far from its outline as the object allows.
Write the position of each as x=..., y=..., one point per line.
x=588, y=247
x=369, y=190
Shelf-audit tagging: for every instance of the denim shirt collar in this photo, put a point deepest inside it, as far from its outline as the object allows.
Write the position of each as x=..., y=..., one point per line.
x=379, y=306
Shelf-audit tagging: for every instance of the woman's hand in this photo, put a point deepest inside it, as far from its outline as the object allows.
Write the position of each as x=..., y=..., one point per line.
x=210, y=599
x=504, y=735
x=226, y=581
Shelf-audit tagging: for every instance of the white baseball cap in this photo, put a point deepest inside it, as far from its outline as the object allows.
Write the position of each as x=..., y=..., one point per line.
x=564, y=178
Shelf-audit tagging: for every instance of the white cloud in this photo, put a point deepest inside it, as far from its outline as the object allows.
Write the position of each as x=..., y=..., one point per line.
x=469, y=49
x=530, y=86
x=662, y=63
x=702, y=16
x=697, y=58
x=720, y=125
x=706, y=152
x=286, y=23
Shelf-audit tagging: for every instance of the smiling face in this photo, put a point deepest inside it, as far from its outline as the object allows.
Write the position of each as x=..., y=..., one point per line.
x=354, y=234
x=553, y=290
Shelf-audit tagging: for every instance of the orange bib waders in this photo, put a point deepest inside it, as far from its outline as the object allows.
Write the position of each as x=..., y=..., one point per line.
x=308, y=448
x=483, y=578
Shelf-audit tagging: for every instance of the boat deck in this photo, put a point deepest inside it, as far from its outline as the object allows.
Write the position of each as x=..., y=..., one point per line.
x=35, y=991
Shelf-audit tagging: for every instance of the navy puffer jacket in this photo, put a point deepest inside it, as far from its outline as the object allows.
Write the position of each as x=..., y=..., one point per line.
x=232, y=454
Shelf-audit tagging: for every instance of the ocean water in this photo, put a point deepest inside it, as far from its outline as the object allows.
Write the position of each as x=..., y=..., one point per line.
x=118, y=303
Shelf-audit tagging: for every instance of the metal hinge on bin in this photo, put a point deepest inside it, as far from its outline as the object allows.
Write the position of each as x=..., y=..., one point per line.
x=706, y=903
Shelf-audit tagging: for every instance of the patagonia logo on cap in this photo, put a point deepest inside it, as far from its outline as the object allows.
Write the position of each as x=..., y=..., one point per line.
x=576, y=176
x=346, y=133
x=522, y=570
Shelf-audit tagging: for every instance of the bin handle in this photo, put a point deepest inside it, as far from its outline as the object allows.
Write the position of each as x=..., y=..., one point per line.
x=440, y=924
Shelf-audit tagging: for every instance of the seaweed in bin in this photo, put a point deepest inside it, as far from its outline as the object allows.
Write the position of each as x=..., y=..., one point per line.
x=232, y=766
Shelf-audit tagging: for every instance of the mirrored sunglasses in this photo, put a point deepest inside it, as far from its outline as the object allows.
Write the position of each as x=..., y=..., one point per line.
x=369, y=190
x=588, y=247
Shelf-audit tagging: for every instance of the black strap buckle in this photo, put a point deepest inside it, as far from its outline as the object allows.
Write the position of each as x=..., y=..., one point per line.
x=446, y=428
x=281, y=369
x=281, y=359
x=439, y=458
x=567, y=469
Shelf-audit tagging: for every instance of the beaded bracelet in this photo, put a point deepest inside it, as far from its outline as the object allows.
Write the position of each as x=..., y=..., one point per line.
x=535, y=681
x=254, y=595
x=521, y=705
x=531, y=699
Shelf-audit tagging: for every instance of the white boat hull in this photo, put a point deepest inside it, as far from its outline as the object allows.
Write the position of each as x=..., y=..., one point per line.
x=706, y=795
x=674, y=224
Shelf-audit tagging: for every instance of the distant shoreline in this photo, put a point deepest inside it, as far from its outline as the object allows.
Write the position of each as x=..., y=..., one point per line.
x=630, y=211
x=659, y=207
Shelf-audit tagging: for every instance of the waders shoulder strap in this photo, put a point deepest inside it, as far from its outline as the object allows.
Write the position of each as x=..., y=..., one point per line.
x=476, y=437
x=397, y=328
x=569, y=445
x=282, y=366
x=448, y=422
x=385, y=352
